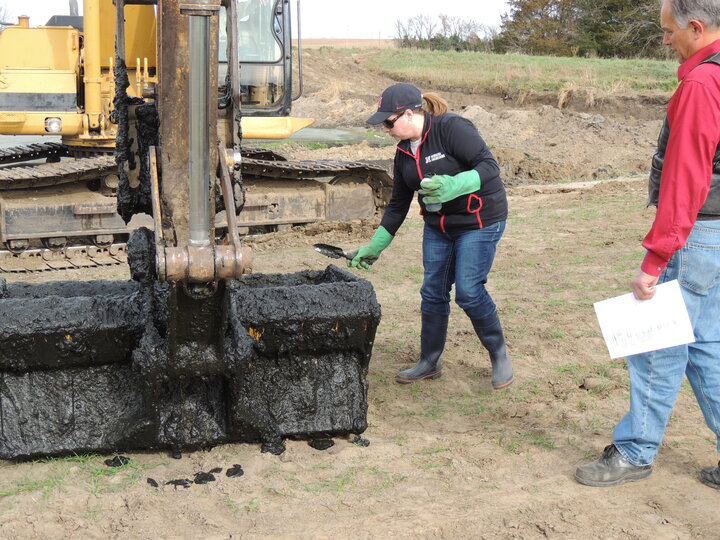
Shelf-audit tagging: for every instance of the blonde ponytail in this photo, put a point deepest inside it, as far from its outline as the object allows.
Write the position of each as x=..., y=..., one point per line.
x=434, y=104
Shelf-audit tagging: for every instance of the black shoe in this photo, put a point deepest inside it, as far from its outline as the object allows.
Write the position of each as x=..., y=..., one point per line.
x=422, y=370
x=710, y=476
x=611, y=469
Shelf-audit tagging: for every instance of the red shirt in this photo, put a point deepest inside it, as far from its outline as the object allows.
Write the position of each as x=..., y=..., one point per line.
x=694, y=119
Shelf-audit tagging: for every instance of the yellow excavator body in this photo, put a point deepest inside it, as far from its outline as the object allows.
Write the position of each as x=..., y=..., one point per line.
x=62, y=78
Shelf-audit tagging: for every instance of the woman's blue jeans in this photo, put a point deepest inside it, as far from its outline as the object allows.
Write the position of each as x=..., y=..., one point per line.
x=655, y=377
x=462, y=258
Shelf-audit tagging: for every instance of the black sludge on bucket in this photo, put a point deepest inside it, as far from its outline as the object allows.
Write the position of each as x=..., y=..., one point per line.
x=110, y=366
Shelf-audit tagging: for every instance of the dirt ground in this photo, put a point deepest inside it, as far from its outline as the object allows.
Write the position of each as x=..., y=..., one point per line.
x=449, y=458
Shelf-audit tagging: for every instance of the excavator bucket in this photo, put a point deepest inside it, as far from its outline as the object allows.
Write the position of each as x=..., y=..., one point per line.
x=85, y=367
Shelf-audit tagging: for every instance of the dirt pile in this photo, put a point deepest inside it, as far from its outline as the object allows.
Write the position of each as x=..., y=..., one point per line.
x=534, y=143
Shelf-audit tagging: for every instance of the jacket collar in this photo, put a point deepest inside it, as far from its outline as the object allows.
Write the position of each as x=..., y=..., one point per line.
x=696, y=59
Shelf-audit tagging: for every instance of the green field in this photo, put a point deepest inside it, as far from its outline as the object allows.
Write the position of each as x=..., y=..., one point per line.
x=513, y=74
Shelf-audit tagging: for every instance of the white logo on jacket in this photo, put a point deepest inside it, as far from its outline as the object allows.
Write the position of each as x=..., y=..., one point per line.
x=434, y=157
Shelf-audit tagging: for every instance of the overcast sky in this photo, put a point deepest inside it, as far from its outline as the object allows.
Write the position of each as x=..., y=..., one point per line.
x=324, y=18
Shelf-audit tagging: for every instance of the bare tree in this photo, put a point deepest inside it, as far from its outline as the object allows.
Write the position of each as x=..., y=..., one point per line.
x=488, y=35
x=402, y=30
x=423, y=27
x=459, y=28
x=429, y=27
x=4, y=17
x=445, y=25
x=489, y=32
x=452, y=32
x=642, y=34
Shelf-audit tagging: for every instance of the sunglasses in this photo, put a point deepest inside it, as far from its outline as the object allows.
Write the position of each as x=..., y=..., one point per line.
x=391, y=123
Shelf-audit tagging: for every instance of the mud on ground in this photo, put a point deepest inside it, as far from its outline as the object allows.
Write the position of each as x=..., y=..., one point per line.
x=447, y=458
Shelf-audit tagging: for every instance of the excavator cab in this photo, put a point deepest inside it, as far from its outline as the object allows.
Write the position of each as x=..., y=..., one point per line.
x=255, y=51
x=261, y=31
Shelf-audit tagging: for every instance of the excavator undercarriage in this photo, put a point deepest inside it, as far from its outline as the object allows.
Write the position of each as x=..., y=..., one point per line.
x=61, y=213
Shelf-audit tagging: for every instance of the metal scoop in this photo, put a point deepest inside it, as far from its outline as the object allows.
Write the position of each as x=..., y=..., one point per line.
x=334, y=252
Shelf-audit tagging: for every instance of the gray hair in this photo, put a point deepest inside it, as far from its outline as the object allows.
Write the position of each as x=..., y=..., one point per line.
x=683, y=11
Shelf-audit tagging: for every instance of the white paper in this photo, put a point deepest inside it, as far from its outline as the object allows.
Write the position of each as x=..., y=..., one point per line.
x=632, y=326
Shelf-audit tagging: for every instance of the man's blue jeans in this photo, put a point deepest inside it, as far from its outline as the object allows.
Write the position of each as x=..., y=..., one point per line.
x=462, y=258
x=655, y=377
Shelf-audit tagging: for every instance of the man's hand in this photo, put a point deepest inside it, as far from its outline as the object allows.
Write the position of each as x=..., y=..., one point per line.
x=643, y=285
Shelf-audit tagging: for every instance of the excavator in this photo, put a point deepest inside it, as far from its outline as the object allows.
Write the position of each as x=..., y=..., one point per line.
x=195, y=350
x=58, y=198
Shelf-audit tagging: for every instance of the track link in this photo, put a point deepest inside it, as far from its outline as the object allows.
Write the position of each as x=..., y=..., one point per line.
x=51, y=174
x=43, y=260
x=28, y=152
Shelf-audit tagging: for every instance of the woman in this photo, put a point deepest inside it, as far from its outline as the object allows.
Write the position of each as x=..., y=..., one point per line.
x=442, y=157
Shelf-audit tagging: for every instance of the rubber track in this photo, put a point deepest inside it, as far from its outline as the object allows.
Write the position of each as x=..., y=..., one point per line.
x=76, y=169
x=297, y=170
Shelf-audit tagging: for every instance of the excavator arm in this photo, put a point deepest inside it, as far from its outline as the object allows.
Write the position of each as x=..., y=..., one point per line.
x=186, y=166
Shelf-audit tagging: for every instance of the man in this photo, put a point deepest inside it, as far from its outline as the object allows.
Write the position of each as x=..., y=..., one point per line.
x=683, y=244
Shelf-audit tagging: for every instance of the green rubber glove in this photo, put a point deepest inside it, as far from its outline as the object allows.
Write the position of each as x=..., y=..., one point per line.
x=367, y=255
x=443, y=188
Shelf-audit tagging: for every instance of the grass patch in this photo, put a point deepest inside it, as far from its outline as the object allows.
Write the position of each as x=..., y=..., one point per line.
x=434, y=450
x=523, y=392
x=556, y=334
x=570, y=369
x=515, y=74
x=364, y=478
x=517, y=442
x=51, y=474
x=46, y=484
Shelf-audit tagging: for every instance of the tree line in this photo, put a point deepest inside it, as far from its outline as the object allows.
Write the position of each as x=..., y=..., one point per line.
x=447, y=33
x=589, y=28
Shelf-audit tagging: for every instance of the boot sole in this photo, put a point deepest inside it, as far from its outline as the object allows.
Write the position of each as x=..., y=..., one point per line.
x=503, y=385
x=629, y=478
x=430, y=376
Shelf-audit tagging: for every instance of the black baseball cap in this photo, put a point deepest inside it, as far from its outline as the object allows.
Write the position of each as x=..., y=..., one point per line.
x=396, y=98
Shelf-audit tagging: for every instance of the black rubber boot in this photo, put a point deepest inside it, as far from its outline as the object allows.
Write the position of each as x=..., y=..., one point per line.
x=491, y=336
x=432, y=343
